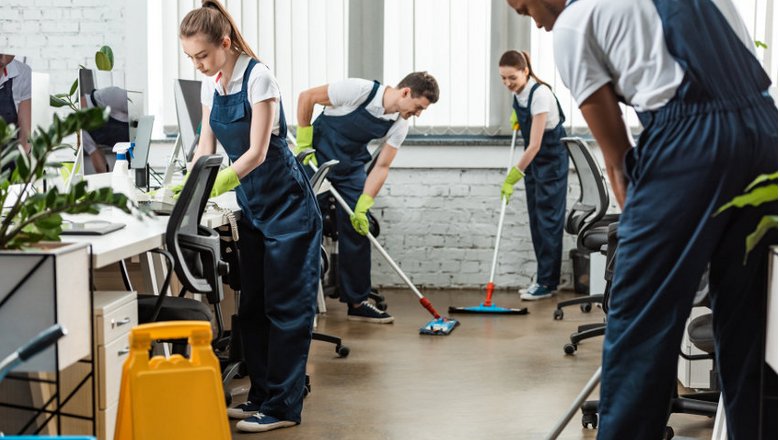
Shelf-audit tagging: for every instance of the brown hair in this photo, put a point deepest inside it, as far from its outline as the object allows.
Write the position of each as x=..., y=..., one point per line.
x=422, y=84
x=215, y=22
x=521, y=61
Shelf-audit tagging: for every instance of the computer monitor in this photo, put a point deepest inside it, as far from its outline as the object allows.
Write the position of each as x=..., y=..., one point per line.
x=142, y=141
x=188, y=113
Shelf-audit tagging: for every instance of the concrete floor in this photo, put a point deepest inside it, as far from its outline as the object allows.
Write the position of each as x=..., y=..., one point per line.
x=493, y=377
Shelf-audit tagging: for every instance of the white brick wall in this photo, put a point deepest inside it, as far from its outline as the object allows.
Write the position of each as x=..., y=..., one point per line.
x=56, y=36
x=440, y=224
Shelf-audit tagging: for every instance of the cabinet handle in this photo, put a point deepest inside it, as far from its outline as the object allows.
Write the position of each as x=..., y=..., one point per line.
x=123, y=351
x=121, y=322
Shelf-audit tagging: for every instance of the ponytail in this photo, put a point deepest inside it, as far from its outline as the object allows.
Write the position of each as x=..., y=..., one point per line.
x=520, y=61
x=212, y=20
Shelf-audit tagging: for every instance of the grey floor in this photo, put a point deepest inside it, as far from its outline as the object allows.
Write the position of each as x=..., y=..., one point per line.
x=494, y=377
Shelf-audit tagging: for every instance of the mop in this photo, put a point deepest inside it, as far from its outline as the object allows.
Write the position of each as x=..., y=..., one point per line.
x=488, y=306
x=440, y=325
x=589, y=387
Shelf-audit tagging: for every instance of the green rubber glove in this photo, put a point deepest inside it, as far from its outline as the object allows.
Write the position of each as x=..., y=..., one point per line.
x=360, y=219
x=176, y=189
x=303, y=140
x=512, y=177
x=227, y=179
x=513, y=121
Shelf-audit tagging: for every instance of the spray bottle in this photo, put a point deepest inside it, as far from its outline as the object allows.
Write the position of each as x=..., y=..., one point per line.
x=121, y=181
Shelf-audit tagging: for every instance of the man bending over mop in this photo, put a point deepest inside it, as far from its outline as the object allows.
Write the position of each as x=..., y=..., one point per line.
x=358, y=111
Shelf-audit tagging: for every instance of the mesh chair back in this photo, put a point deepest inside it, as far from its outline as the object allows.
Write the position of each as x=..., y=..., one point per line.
x=195, y=249
x=594, y=198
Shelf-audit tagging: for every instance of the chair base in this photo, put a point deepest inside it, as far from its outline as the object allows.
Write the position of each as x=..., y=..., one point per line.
x=341, y=350
x=585, y=302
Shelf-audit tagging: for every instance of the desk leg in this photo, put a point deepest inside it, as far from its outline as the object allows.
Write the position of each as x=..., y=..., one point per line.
x=153, y=269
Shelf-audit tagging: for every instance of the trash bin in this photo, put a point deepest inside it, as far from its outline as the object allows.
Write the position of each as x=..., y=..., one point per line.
x=581, y=262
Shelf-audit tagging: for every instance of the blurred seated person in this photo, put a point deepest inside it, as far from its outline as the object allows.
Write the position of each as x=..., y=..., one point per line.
x=99, y=143
x=15, y=96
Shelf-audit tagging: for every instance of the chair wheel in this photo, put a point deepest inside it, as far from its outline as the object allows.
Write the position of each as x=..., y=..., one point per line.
x=558, y=314
x=586, y=308
x=307, y=386
x=591, y=420
x=569, y=348
x=342, y=350
x=668, y=433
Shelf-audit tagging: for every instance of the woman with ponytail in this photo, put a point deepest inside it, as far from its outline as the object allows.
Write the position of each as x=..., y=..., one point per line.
x=280, y=227
x=544, y=164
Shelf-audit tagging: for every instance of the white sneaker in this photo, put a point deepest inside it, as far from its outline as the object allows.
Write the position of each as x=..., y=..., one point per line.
x=536, y=292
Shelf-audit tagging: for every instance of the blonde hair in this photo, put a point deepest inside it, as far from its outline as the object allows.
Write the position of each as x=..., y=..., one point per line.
x=212, y=20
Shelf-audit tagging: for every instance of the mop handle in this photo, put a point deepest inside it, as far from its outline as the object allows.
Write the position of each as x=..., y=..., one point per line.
x=378, y=246
x=503, y=211
x=589, y=387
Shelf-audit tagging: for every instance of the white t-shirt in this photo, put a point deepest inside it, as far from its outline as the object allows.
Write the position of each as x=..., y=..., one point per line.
x=346, y=95
x=22, y=76
x=543, y=102
x=262, y=85
x=619, y=41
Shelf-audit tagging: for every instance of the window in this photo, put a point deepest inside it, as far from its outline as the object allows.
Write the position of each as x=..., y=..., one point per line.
x=451, y=40
x=303, y=41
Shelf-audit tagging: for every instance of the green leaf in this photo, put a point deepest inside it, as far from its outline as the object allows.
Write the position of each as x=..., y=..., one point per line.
x=74, y=87
x=104, y=58
x=761, y=179
x=49, y=222
x=57, y=102
x=761, y=44
x=755, y=197
x=766, y=223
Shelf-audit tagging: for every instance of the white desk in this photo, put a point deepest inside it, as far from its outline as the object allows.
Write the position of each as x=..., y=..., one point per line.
x=140, y=236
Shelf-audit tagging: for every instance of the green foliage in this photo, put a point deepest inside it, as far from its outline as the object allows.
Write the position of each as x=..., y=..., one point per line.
x=762, y=190
x=104, y=58
x=28, y=220
x=760, y=44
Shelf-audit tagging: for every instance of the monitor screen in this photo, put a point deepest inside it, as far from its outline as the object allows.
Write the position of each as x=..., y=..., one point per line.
x=142, y=140
x=188, y=113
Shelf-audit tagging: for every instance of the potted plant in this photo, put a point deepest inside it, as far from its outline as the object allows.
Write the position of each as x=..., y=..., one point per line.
x=45, y=281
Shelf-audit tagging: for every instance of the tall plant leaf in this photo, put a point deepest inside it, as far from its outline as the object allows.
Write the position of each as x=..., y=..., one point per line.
x=766, y=223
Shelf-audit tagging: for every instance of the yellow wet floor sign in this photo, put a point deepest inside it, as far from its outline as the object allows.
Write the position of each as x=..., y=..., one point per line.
x=175, y=397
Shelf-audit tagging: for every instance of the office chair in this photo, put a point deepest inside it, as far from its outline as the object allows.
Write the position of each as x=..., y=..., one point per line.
x=588, y=218
x=328, y=207
x=316, y=181
x=704, y=403
x=193, y=253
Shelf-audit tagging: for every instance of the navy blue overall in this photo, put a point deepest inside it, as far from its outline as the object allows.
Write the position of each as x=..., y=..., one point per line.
x=695, y=154
x=8, y=110
x=280, y=234
x=345, y=138
x=546, y=179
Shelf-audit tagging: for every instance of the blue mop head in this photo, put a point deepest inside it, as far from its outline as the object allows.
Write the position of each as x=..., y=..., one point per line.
x=489, y=309
x=439, y=327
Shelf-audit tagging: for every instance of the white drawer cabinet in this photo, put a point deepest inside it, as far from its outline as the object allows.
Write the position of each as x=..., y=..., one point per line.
x=115, y=314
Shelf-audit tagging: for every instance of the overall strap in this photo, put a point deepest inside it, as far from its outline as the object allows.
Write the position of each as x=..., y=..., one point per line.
x=371, y=95
x=247, y=72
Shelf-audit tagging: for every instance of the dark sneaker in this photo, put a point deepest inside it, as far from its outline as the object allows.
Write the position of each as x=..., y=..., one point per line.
x=368, y=312
x=536, y=291
x=261, y=423
x=243, y=411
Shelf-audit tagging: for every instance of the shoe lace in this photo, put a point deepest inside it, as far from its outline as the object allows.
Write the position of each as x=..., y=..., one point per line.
x=372, y=307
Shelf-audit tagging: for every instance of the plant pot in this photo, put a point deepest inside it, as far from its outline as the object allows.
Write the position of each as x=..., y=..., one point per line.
x=40, y=287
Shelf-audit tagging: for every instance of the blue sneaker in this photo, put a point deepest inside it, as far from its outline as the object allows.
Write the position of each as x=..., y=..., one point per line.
x=261, y=423
x=367, y=312
x=243, y=411
x=536, y=291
